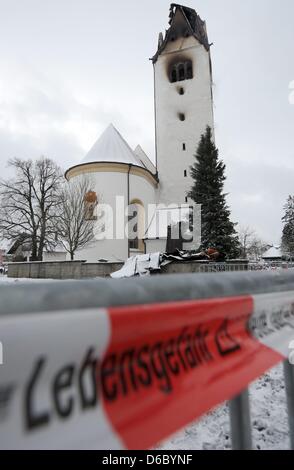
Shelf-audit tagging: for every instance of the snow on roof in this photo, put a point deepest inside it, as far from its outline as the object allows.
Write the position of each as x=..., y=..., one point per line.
x=144, y=159
x=112, y=147
x=162, y=218
x=59, y=248
x=273, y=252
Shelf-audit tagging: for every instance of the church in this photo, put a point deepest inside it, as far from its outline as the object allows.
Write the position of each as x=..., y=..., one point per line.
x=125, y=178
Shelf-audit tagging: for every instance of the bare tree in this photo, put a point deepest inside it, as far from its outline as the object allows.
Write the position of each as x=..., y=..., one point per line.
x=77, y=219
x=246, y=235
x=251, y=245
x=257, y=248
x=28, y=203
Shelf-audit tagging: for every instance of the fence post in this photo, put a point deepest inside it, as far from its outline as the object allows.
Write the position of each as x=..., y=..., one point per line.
x=289, y=386
x=240, y=422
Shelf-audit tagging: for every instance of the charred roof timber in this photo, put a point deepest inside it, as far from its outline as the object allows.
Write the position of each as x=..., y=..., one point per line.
x=194, y=26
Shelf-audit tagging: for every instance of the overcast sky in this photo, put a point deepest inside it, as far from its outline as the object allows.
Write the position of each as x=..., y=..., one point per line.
x=70, y=67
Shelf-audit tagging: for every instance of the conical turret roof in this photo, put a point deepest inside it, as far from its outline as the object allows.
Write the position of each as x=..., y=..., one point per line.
x=112, y=147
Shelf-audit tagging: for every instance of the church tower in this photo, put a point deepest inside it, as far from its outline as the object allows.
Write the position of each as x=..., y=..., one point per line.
x=183, y=100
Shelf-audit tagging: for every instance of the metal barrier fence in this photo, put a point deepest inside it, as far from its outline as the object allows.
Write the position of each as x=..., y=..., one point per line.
x=66, y=295
x=233, y=267
x=224, y=267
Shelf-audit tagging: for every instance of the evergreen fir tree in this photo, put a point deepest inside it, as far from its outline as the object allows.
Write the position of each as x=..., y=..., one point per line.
x=208, y=173
x=288, y=229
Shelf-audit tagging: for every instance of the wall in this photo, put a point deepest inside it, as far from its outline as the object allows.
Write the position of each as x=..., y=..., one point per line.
x=82, y=270
x=109, y=185
x=61, y=270
x=155, y=245
x=141, y=191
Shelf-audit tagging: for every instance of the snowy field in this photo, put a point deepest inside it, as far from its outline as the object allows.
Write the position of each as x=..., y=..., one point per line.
x=268, y=413
x=12, y=280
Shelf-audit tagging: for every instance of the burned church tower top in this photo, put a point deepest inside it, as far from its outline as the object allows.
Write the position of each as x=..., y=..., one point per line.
x=184, y=22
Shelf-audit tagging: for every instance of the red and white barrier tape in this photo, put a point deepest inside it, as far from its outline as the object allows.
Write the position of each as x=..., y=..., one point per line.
x=126, y=378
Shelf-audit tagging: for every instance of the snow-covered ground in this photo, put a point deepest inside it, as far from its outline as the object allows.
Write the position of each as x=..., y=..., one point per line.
x=268, y=412
x=15, y=280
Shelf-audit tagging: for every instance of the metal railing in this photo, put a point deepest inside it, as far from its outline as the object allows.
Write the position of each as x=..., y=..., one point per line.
x=66, y=295
x=233, y=267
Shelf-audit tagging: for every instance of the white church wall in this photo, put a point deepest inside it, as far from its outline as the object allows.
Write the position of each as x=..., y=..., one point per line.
x=156, y=245
x=108, y=185
x=142, y=190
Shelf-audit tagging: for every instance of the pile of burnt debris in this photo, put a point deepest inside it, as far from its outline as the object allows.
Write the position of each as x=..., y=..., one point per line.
x=209, y=255
x=151, y=263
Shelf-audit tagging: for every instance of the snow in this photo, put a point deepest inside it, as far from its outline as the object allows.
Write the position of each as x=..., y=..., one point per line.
x=268, y=417
x=273, y=252
x=20, y=280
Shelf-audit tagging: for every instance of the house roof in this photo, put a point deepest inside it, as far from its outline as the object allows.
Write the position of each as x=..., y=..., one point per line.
x=195, y=27
x=23, y=240
x=112, y=147
x=26, y=245
x=273, y=252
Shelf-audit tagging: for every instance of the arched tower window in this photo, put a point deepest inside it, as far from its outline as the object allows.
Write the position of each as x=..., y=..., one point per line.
x=181, y=71
x=174, y=74
x=136, y=216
